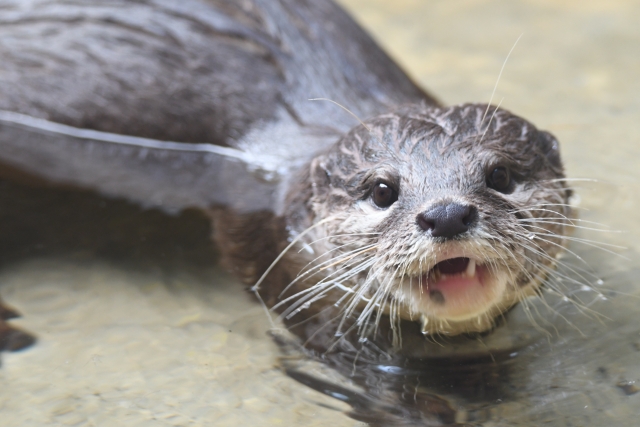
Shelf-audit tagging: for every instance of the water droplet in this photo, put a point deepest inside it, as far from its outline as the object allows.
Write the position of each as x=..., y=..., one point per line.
x=338, y=396
x=390, y=369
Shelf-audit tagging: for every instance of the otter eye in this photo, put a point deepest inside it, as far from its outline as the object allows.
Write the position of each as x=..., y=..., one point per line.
x=384, y=195
x=499, y=179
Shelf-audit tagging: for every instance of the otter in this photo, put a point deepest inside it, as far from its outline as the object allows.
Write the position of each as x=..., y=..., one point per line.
x=445, y=216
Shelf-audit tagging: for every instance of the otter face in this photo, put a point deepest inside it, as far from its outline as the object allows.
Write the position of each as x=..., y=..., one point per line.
x=446, y=216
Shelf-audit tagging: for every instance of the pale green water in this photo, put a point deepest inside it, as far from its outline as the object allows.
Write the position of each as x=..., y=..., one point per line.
x=121, y=345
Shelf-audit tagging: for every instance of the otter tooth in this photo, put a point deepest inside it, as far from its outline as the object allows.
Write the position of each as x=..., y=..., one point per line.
x=471, y=268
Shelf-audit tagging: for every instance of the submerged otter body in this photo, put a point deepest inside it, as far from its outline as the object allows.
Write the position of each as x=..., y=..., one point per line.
x=446, y=216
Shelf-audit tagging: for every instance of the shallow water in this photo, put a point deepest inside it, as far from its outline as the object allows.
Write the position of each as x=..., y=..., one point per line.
x=136, y=327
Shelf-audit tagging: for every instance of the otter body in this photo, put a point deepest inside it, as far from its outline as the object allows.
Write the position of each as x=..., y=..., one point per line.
x=446, y=216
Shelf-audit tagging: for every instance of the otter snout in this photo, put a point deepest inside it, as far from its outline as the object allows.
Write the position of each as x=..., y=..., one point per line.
x=448, y=219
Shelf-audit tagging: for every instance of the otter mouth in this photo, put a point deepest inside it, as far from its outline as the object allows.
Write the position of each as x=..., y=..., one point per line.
x=457, y=288
x=452, y=276
x=460, y=266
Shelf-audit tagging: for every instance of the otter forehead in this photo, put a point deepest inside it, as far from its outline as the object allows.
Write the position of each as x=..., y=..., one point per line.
x=437, y=132
x=441, y=150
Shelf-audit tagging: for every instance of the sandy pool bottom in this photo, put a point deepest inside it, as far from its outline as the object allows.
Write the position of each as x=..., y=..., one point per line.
x=146, y=349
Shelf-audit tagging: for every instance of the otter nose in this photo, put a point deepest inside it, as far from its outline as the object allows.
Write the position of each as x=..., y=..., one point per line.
x=447, y=220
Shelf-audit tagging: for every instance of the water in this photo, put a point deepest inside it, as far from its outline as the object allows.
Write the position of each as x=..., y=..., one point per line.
x=136, y=325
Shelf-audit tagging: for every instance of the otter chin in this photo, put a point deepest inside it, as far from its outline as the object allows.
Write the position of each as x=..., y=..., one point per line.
x=443, y=216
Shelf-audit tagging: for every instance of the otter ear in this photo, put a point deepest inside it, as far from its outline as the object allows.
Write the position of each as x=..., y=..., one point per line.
x=320, y=175
x=550, y=148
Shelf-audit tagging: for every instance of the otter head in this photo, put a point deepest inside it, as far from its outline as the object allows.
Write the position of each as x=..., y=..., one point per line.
x=447, y=216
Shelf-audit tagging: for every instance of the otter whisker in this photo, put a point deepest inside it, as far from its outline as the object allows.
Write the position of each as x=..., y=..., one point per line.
x=582, y=306
x=529, y=210
x=311, y=265
x=312, y=268
x=525, y=243
x=372, y=247
x=588, y=242
x=344, y=108
x=321, y=328
x=546, y=304
x=586, y=311
x=327, y=264
x=323, y=286
x=494, y=265
x=340, y=335
x=352, y=294
x=358, y=296
x=542, y=253
x=326, y=284
x=579, y=227
x=548, y=233
x=383, y=298
x=537, y=206
x=255, y=287
x=395, y=324
x=526, y=306
x=569, y=180
x=310, y=301
x=532, y=276
x=346, y=275
x=343, y=235
x=562, y=219
x=574, y=269
x=490, y=120
x=353, y=291
x=554, y=275
x=498, y=79
x=312, y=317
x=371, y=277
